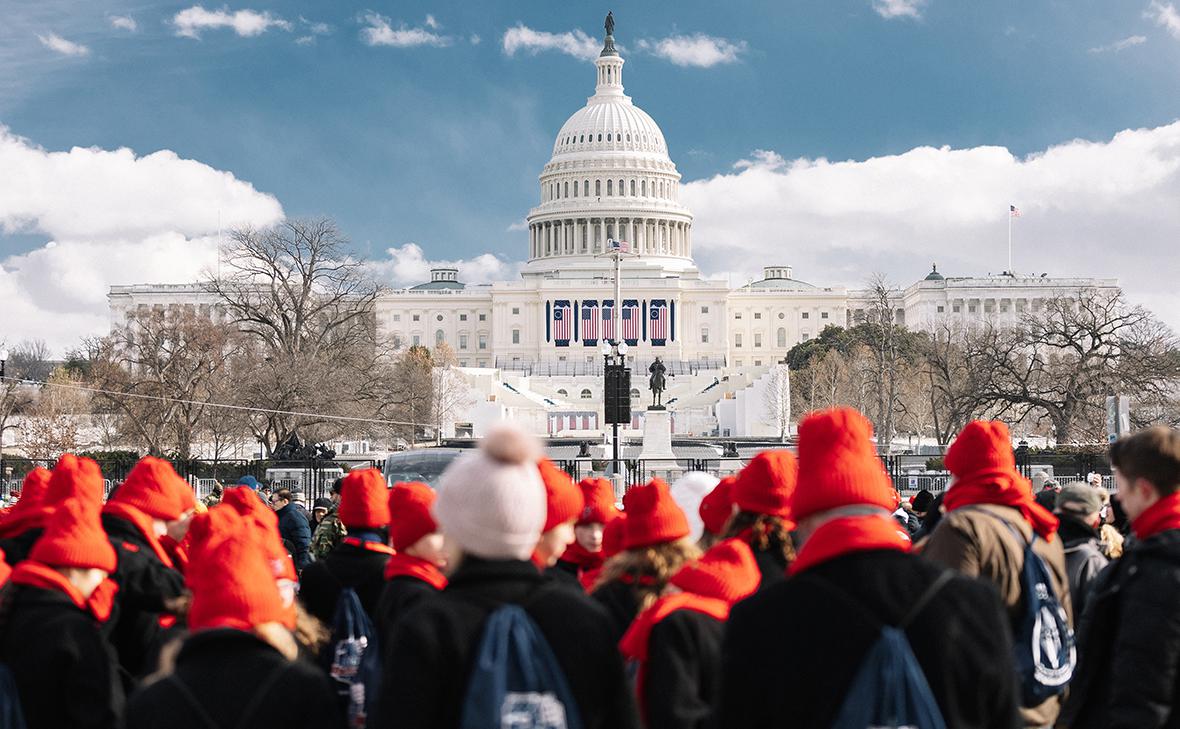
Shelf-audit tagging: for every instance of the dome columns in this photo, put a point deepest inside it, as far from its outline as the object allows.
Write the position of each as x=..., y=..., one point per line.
x=589, y=236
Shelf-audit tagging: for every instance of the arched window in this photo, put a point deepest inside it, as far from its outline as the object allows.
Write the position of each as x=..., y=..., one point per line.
x=575, y=188
x=581, y=139
x=610, y=188
x=781, y=337
x=622, y=190
x=643, y=188
x=634, y=393
x=628, y=137
x=586, y=188
x=600, y=136
x=598, y=188
x=439, y=337
x=586, y=395
x=632, y=188
x=567, y=189
x=562, y=392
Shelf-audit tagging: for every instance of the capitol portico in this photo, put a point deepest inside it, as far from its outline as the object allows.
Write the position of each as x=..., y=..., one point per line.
x=529, y=349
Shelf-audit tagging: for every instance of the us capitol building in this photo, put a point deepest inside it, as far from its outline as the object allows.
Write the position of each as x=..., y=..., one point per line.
x=529, y=349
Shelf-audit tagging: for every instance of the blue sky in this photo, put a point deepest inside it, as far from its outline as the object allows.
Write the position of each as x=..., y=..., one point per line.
x=440, y=143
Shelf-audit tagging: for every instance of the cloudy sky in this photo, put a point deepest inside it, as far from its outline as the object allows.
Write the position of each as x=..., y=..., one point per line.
x=842, y=137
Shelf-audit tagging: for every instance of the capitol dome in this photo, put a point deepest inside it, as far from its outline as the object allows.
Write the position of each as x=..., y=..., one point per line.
x=609, y=178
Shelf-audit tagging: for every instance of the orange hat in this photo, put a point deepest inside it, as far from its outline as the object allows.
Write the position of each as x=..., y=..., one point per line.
x=563, y=499
x=717, y=506
x=612, y=536
x=245, y=501
x=232, y=585
x=652, y=516
x=364, y=500
x=74, y=537
x=766, y=484
x=153, y=487
x=983, y=447
x=75, y=477
x=30, y=510
x=838, y=465
x=598, y=494
x=409, y=507
x=185, y=495
x=726, y=572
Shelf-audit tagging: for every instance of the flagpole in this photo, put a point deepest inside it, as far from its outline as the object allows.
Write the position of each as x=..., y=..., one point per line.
x=1010, y=273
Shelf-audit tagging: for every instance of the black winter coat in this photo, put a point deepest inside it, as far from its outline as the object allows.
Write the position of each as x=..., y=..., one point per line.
x=65, y=671
x=1128, y=672
x=683, y=671
x=229, y=678
x=791, y=651
x=1083, y=560
x=397, y=597
x=565, y=574
x=296, y=531
x=771, y=564
x=622, y=605
x=433, y=648
x=17, y=548
x=345, y=566
x=144, y=584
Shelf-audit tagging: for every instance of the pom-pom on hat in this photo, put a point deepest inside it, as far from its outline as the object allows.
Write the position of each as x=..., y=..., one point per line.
x=245, y=501
x=153, y=486
x=491, y=501
x=983, y=447
x=74, y=477
x=652, y=516
x=409, y=510
x=717, y=506
x=563, y=498
x=74, y=537
x=726, y=572
x=838, y=465
x=364, y=500
x=766, y=484
x=232, y=585
x=598, y=496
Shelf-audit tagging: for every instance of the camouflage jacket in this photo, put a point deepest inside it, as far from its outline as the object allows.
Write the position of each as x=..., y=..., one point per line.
x=211, y=500
x=327, y=535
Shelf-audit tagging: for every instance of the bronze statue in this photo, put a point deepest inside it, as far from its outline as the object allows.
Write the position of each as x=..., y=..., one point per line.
x=610, y=23
x=656, y=383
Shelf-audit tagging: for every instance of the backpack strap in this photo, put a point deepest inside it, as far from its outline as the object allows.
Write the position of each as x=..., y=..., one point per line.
x=247, y=713
x=192, y=701
x=919, y=605
x=924, y=599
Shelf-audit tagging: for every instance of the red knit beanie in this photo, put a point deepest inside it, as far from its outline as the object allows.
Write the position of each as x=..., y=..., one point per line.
x=409, y=508
x=612, y=536
x=726, y=572
x=598, y=494
x=364, y=500
x=245, y=501
x=838, y=465
x=766, y=484
x=33, y=489
x=563, y=499
x=74, y=537
x=152, y=486
x=74, y=477
x=30, y=510
x=984, y=446
x=652, y=516
x=717, y=506
x=232, y=585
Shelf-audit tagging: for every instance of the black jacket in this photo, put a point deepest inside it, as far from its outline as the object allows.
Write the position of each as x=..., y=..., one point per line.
x=1128, y=672
x=433, y=648
x=683, y=671
x=771, y=564
x=345, y=566
x=565, y=574
x=622, y=605
x=294, y=530
x=17, y=548
x=397, y=597
x=791, y=651
x=144, y=584
x=229, y=678
x=1083, y=559
x=65, y=670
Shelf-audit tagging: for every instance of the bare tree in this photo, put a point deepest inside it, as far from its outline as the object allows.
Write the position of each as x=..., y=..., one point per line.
x=30, y=360
x=52, y=424
x=777, y=401
x=885, y=359
x=450, y=394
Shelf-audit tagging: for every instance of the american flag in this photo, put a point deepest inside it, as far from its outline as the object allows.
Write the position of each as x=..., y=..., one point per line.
x=590, y=323
x=631, y=323
x=608, y=319
x=1013, y=211
x=621, y=246
x=561, y=323
x=657, y=325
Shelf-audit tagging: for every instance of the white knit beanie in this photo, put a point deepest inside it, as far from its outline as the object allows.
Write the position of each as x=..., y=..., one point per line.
x=491, y=501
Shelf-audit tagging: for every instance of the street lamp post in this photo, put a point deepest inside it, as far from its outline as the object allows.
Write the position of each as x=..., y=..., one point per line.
x=616, y=376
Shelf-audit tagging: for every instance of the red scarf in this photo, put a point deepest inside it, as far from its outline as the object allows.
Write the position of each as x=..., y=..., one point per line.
x=368, y=544
x=400, y=565
x=1159, y=517
x=37, y=574
x=177, y=551
x=143, y=523
x=589, y=579
x=634, y=645
x=850, y=534
x=1002, y=488
x=17, y=521
x=582, y=557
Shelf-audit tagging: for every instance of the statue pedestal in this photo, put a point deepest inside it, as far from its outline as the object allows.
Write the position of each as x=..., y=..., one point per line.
x=657, y=435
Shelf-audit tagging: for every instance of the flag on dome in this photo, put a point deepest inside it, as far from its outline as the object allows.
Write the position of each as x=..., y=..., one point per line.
x=1013, y=211
x=621, y=246
x=562, y=326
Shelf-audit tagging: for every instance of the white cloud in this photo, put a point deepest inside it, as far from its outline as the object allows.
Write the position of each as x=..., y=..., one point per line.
x=407, y=265
x=315, y=28
x=475, y=39
x=1121, y=45
x=899, y=8
x=432, y=23
x=1105, y=209
x=378, y=32
x=113, y=218
x=694, y=50
x=575, y=43
x=246, y=23
x=55, y=42
x=518, y=226
x=123, y=22
x=305, y=40
x=1165, y=16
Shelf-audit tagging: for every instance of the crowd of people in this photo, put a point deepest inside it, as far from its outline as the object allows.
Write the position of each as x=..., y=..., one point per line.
x=800, y=591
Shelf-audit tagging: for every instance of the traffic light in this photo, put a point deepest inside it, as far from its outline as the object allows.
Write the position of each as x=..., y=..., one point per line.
x=617, y=391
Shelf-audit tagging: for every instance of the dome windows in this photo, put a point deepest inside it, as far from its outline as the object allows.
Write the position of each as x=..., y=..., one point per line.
x=600, y=136
x=622, y=190
x=632, y=188
x=566, y=192
x=610, y=188
x=643, y=188
x=608, y=136
x=586, y=188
